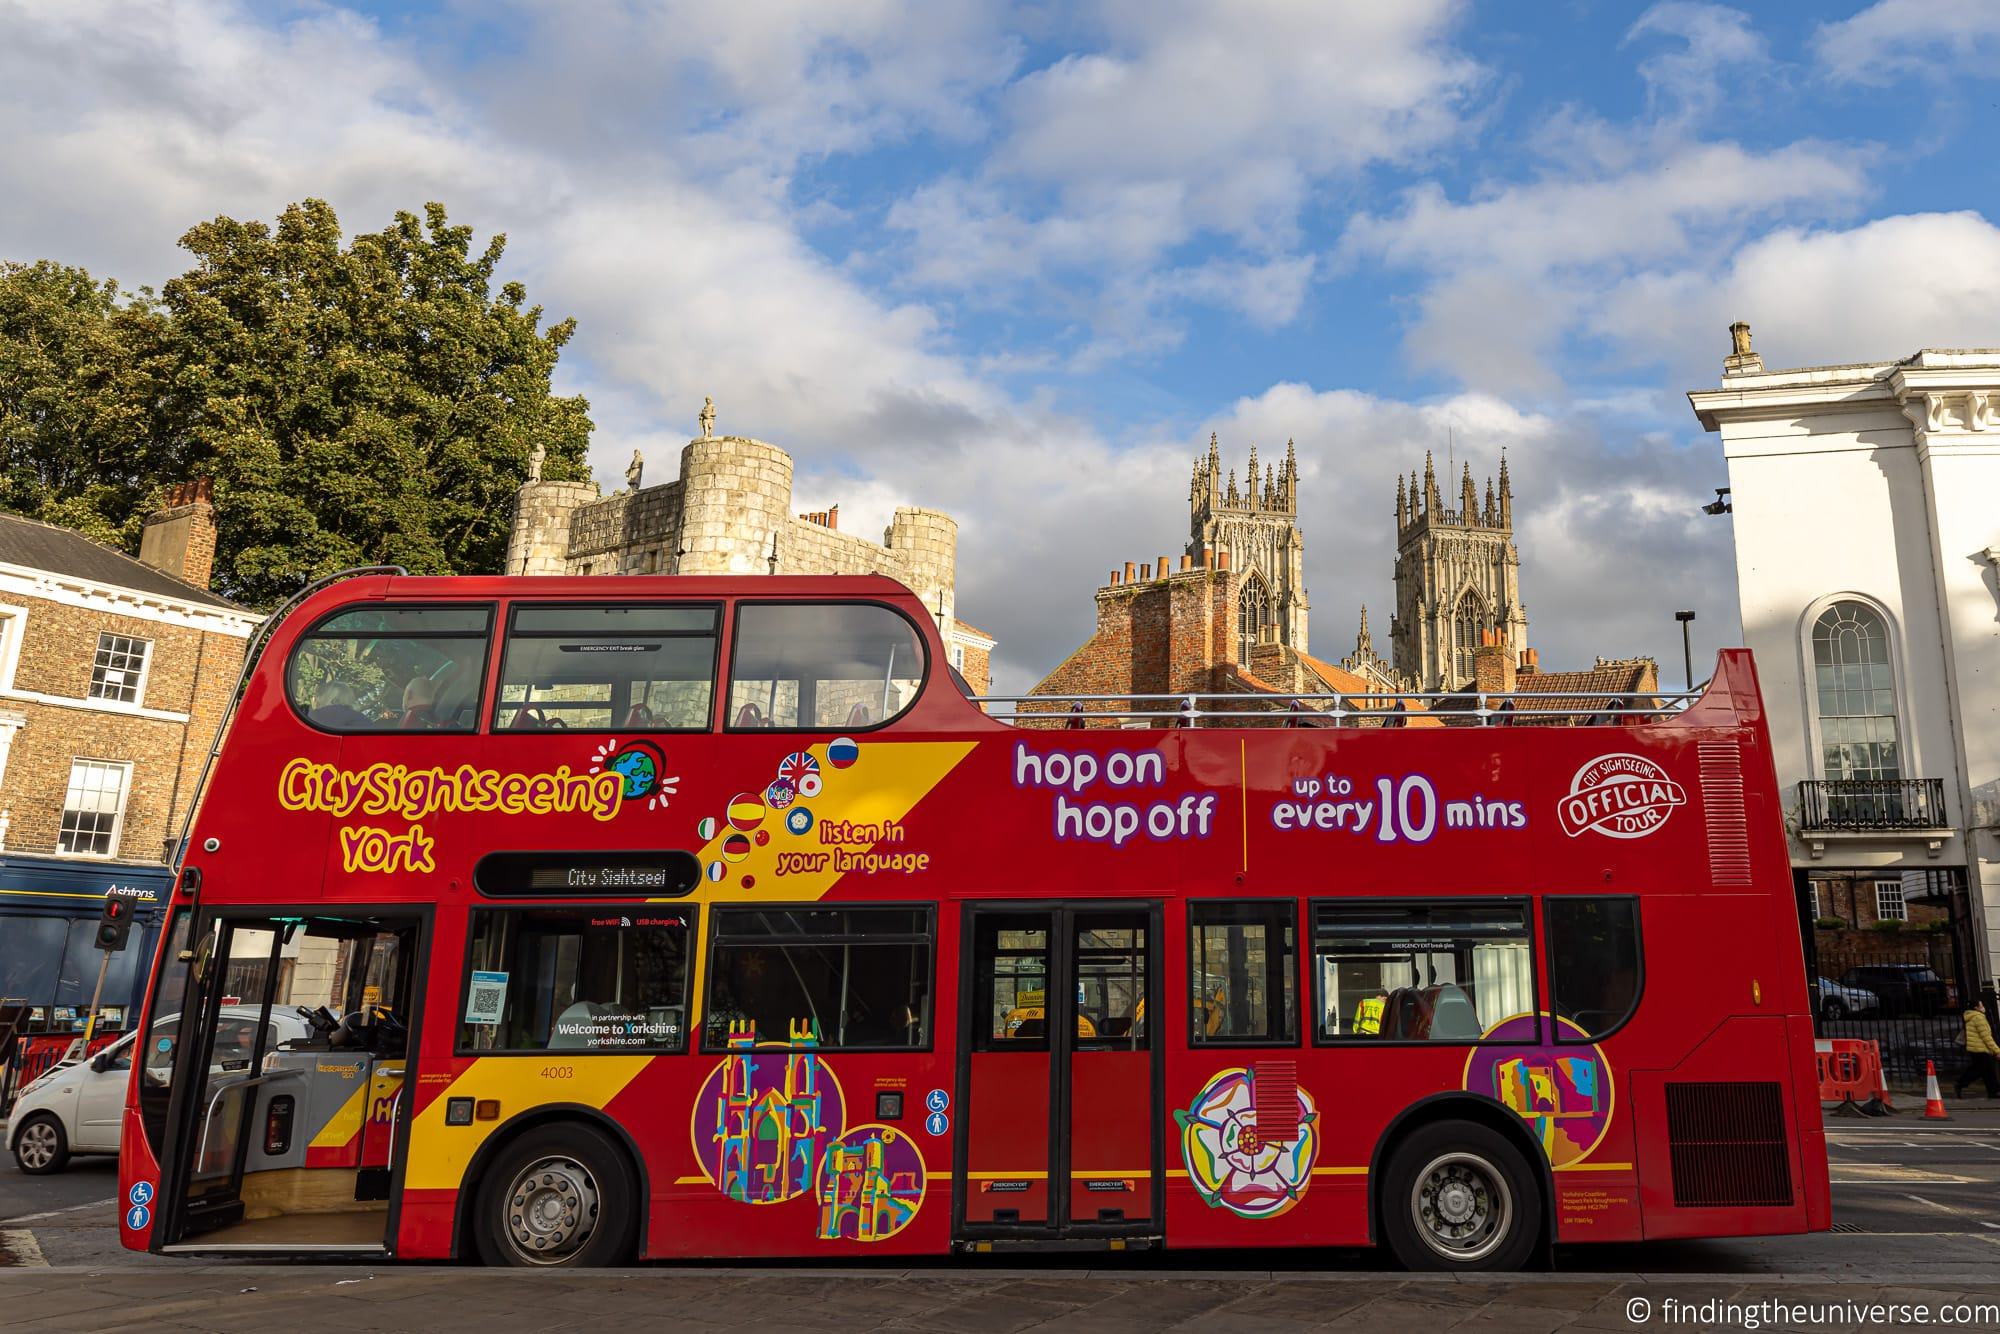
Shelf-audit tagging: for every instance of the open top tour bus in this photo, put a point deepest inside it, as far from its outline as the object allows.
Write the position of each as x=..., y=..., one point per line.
x=674, y=917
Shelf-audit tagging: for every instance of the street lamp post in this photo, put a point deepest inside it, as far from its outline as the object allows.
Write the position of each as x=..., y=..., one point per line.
x=1687, y=645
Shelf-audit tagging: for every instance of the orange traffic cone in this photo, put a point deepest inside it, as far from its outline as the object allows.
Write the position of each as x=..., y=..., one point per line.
x=1933, y=1100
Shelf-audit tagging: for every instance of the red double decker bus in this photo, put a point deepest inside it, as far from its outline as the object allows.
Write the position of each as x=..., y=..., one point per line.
x=568, y=921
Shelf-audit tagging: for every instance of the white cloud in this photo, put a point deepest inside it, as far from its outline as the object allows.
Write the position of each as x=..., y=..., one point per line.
x=1191, y=123
x=1895, y=37
x=1880, y=290
x=1511, y=272
x=1684, y=82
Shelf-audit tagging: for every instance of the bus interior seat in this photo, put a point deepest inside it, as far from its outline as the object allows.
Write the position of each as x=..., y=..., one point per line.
x=639, y=717
x=1031, y=1028
x=1453, y=1016
x=860, y=716
x=751, y=716
x=1404, y=1016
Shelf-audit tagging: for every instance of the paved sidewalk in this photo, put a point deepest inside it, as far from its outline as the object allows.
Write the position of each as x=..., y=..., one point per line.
x=267, y=1299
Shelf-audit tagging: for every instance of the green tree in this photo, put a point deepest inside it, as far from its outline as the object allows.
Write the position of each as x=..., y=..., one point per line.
x=372, y=402
x=82, y=439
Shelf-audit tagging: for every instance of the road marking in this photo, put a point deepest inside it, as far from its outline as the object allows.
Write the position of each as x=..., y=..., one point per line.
x=1889, y=1174
x=56, y=1213
x=19, y=1249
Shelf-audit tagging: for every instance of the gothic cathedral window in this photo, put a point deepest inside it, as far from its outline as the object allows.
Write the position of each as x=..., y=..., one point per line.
x=1466, y=623
x=1253, y=613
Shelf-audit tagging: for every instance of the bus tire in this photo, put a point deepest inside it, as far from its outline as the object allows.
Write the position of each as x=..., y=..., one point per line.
x=561, y=1194
x=1459, y=1196
x=40, y=1145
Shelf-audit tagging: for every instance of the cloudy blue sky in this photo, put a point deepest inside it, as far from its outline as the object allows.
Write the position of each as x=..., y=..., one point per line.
x=1018, y=262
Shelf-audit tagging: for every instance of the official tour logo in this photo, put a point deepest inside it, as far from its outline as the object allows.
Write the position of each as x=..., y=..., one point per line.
x=1619, y=796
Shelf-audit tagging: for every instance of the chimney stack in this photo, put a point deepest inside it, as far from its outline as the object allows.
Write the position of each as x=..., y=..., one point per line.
x=179, y=537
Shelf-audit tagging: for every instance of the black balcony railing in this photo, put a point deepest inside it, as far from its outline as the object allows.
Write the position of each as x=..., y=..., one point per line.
x=1863, y=805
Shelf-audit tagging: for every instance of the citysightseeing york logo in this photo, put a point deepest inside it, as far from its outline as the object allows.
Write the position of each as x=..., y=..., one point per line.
x=1619, y=796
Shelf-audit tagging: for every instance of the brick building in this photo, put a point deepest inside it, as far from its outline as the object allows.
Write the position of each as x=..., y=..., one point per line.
x=730, y=512
x=114, y=674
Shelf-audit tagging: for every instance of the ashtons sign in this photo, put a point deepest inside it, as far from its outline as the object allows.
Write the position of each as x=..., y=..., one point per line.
x=1619, y=796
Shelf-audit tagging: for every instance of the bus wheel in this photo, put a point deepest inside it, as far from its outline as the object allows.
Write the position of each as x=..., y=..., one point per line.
x=1459, y=1196
x=41, y=1147
x=558, y=1195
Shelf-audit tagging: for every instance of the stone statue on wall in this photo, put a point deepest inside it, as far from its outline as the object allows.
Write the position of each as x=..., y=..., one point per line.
x=707, y=418
x=633, y=469
x=535, y=460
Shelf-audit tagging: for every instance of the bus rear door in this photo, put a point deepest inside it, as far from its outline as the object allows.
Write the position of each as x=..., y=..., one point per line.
x=1059, y=1074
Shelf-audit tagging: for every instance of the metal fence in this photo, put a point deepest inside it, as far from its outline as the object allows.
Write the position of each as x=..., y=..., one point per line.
x=1903, y=996
x=1863, y=804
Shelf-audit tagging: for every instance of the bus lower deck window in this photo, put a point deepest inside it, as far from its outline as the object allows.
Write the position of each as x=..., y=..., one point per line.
x=609, y=979
x=1399, y=972
x=1243, y=982
x=834, y=977
x=1594, y=962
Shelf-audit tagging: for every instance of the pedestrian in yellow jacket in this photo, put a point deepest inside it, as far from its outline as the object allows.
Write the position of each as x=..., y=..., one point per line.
x=1982, y=1054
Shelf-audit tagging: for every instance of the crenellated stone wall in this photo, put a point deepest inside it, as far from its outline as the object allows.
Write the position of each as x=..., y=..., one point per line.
x=730, y=512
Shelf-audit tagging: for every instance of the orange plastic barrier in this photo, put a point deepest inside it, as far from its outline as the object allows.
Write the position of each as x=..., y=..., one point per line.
x=1850, y=1069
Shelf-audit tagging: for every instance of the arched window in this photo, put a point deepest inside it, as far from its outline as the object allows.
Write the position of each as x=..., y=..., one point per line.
x=1253, y=613
x=1466, y=624
x=1855, y=692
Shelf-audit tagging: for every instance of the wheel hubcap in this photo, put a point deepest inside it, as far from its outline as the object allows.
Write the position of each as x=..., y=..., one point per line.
x=38, y=1144
x=1462, y=1206
x=552, y=1210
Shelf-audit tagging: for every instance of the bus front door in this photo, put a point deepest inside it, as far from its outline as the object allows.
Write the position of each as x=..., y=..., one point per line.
x=1059, y=1074
x=292, y=1078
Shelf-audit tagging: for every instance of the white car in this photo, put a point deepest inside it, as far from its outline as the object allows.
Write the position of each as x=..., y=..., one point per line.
x=79, y=1106
x=1839, y=1002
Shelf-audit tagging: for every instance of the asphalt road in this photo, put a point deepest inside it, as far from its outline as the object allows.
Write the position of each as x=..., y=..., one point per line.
x=1916, y=1210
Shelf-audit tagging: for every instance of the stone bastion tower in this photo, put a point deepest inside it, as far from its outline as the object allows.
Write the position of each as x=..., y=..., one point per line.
x=1458, y=577
x=730, y=512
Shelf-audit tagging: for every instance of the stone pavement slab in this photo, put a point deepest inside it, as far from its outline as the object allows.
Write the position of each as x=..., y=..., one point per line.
x=276, y=1299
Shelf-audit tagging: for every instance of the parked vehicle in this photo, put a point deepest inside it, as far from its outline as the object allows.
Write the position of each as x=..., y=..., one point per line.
x=1840, y=1002
x=75, y=1107
x=1902, y=988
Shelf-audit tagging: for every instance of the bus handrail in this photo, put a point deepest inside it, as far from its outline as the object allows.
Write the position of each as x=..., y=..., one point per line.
x=260, y=640
x=1488, y=708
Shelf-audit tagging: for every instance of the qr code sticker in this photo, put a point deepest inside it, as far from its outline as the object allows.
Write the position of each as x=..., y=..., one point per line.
x=486, y=1001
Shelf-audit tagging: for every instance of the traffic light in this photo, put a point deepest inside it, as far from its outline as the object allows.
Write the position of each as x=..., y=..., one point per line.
x=114, y=928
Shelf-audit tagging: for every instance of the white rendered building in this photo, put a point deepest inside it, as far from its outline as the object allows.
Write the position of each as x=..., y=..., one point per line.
x=1867, y=517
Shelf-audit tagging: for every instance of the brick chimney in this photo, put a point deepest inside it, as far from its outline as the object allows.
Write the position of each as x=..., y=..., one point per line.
x=179, y=537
x=1493, y=666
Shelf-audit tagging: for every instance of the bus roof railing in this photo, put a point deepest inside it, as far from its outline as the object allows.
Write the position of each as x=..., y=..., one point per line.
x=252, y=651
x=1451, y=708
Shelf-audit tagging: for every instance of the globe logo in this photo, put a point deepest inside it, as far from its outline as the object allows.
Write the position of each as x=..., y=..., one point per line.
x=639, y=765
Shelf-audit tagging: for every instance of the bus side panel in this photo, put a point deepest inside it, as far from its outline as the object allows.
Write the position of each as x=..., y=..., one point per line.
x=1812, y=1168
x=1739, y=1170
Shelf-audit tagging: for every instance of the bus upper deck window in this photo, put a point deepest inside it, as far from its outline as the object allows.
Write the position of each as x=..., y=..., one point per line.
x=822, y=666
x=391, y=669
x=646, y=667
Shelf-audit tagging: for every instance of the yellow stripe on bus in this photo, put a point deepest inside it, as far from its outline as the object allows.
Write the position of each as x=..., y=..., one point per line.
x=439, y=1154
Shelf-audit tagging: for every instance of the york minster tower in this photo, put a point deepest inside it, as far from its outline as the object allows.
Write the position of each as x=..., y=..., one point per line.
x=1458, y=577
x=1258, y=526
